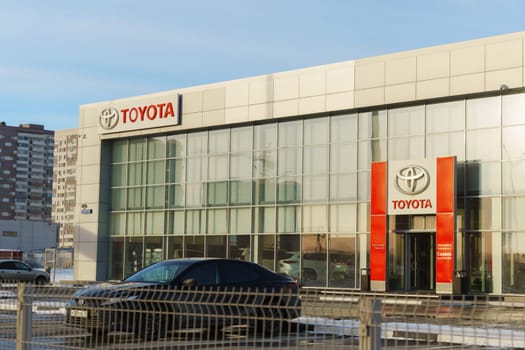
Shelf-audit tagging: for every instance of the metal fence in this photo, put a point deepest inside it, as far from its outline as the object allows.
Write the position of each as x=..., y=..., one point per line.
x=50, y=317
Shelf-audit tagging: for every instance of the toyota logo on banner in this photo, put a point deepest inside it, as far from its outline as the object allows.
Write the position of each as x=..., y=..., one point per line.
x=108, y=118
x=412, y=180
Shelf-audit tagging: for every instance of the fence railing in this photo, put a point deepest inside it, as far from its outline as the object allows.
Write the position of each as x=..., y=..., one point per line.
x=53, y=317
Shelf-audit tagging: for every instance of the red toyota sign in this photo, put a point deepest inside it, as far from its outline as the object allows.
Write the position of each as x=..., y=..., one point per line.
x=128, y=117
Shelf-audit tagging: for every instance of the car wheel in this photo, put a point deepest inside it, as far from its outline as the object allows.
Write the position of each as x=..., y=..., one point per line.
x=151, y=327
x=41, y=280
x=270, y=319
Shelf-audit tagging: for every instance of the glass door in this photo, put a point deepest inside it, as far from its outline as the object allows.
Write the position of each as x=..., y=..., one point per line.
x=411, y=261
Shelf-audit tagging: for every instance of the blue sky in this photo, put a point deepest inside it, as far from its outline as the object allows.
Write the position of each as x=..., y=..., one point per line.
x=56, y=55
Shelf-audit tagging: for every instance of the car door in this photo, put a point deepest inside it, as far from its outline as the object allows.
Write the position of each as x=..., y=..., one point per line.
x=7, y=271
x=23, y=272
x=241, y=290
x=198, y=300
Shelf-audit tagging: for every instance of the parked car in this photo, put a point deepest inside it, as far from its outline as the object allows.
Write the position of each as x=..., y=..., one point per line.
x=18, y=271
x=314, y=265
x=204, y=293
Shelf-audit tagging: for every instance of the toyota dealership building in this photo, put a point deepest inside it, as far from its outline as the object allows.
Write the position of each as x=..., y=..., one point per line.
x=397, y=173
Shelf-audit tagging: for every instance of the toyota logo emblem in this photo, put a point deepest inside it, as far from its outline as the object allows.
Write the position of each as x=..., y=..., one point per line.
x=108, y=118
x=412, y=180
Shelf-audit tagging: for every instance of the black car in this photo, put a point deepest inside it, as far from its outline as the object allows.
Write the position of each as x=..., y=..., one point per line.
x=200, y=293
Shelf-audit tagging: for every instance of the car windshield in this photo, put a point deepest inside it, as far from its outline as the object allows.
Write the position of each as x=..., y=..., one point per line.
x=162, y=272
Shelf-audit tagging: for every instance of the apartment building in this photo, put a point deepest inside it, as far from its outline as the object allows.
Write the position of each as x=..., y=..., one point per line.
x=65, y=184
x=26, y=172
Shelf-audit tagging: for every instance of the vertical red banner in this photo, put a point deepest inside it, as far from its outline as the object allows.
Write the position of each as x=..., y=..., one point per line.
x=378, y=223
x=445, y=219
x=444, y=247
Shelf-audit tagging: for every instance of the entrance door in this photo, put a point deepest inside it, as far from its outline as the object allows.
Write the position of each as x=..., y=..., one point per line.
x=412, y=262
x=421, y=268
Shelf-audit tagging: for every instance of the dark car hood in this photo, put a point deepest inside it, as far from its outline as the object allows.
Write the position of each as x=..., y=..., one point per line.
x=111, y=288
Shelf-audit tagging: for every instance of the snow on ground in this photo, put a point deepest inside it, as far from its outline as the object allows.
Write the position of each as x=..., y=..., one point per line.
x=61, y=275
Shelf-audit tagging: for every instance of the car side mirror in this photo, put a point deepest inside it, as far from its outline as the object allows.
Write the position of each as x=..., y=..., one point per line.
x=190, y=282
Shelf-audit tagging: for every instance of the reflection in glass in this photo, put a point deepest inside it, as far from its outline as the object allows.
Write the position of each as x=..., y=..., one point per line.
x=407, y=121
x=343, y=262
x=343, y=128
x=343, y=218
x=512, y=178
x=155, y=197
x=197, y=144
x=116, y=258
x=264, y=219
x=174, y=247
x=135, y=198
x=313, y=261
x=133, y=255
x=218, y=141
x=443, y=145
x=136, y=174
x=239, y=247
x=290, y=134
x=406, y=148
x=118, y=199
x=120, y=151
x=216, y=246
x=195, y=221
x=513, y=213
x=513, y=259
x=289, y=219
x=154, y=223
x=176, y=146
x=316, y=131
x=175, y=171
x=263, y=252
x=315, y=188
x=193, y=247
x=445, y=117
x=289, y=190
x=513, y=109
x=265, y=136
x=117, y=224
x=483, y=145
x=373, y=125
x=156, y=147
x=290, y=161
x=315, y=218
x=240, y=220
x=479, y=257
x=343, y=187
x=265, y=163
x=153, y=251
x=119, y=174
x=137, y=149
x=343, y=158
x=240, y=192
x=241, y=139
x=288, y=259
x=135, y=225
x=484, y=112
x=175, y=222
x=483, y=178
x=217, y=221
x=265, y=191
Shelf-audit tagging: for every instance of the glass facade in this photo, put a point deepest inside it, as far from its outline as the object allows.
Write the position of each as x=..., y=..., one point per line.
x=294, y=195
